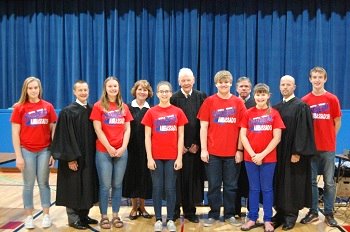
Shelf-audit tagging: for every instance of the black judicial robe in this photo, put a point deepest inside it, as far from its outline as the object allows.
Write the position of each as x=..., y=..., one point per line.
x=293, y=180
x=137, y=181
x=75, y=139
x=190, y=179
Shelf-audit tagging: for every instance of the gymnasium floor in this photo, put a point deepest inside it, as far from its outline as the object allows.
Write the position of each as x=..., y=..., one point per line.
x=12, y=213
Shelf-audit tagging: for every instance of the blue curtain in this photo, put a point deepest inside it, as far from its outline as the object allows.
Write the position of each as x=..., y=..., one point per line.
x=63, y=41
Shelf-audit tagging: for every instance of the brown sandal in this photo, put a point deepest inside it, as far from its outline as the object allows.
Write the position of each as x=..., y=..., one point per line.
x=117, y=223
x=105, y=223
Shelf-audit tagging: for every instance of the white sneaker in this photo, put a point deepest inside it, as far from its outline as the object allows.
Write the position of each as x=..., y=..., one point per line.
x=46, y=221
x=28, y=222
x=234, y=221
x=158, y=226
x=171, y=226
x=208, y=222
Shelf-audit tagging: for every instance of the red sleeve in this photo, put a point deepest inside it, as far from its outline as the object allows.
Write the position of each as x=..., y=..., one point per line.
x=277, y=121
x=96, y=112
x=244, y=121
x=147, y=119
x=336, y=108
x=128, y=116
x=16, y=115
x=242, y=110
x=182, y=118
x=204, y=111
x=53, y=115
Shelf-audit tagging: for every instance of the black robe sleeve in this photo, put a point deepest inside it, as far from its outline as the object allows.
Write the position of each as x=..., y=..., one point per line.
x=64, y=145
x=304, y=142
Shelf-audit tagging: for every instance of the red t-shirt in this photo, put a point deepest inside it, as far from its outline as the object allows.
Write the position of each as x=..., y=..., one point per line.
x=260, y=126
x=224, y=117
x=324, y=109
x=112, y=123
x=35, y=119
x=164, y=123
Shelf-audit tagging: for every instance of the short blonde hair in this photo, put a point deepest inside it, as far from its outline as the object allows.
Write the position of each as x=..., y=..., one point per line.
x=144, y=84
x=223, y=75
x=318, y=69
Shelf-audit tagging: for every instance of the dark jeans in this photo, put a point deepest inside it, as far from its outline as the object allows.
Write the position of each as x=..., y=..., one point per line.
x=164, y=178
x=222, y=170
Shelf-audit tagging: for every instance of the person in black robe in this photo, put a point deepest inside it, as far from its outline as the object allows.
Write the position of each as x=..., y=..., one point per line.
x=190, y=179
x=243, y=88
x=137, y=183
x=293, y=169
x=74, y=146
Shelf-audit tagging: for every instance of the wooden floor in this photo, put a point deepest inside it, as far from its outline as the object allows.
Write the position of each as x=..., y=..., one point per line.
x=12, y=213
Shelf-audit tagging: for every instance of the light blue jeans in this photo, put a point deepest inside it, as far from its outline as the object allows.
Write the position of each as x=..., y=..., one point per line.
x=110, y=175
x=323, y=163
x=36, y=167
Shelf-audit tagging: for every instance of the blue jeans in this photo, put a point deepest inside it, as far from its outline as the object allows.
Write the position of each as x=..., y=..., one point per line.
x=164, y=178
x=36, y=166
x=260, y=180
x=222, y=170
x=110, y=175
x=323, y=162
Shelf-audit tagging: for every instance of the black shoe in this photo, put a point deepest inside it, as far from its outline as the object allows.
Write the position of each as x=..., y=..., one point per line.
x=276, y=224
x=89, y=220
x=310, y=217
x=192, y=218
x=330, y=221
x=288, y=226
x=78, y=225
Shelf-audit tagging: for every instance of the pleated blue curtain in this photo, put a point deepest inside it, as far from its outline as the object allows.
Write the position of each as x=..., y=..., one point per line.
x=62, y=41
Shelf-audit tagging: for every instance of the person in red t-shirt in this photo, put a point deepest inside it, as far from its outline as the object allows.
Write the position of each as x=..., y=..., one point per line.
x=260, y=133
x=33, y=124
x=111, y=119
x=326, y=112
x=164, y=140
x=221, y=150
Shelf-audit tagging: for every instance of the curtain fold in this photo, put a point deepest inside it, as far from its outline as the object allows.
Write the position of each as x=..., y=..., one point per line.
x=63, y=41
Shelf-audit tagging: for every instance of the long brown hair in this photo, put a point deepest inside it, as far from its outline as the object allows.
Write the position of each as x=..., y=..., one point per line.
x=104, y=96
x=24, y=93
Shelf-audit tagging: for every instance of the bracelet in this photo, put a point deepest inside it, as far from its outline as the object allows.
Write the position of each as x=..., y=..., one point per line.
x=241, y=150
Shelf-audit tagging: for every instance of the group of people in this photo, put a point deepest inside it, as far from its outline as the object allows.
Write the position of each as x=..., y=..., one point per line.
x=166, y=151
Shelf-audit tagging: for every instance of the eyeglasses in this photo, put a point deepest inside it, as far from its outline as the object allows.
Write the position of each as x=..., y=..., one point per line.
x=164, y=91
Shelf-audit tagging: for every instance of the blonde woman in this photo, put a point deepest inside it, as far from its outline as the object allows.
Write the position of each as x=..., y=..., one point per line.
x=111, y=119
x=33, y=124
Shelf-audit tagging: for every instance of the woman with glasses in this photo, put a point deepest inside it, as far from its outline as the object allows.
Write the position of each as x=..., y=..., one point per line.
x=164, y=140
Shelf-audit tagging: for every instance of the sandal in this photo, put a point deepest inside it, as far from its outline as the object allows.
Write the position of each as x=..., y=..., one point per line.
x=144, y=213
x=117, y=223
x=269, y=230
x=133, y=214
x=247, y=228
x=105, y=223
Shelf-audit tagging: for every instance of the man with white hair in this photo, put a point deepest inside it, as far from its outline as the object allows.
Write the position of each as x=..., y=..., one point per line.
x=293, y=169
x=190, y=178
